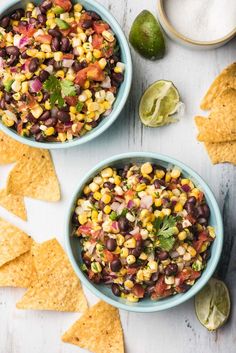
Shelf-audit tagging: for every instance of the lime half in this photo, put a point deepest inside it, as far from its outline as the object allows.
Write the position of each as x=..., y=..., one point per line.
x=212, y=304
x=158, y=103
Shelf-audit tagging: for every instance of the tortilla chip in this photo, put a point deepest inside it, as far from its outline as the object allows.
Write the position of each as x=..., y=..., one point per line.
x=226, y=79
x=56, y=287
x=14, y=204
x=34, y=176
x=13, y=242
x=222, y=152
x=98, y=330
x=19, y=272
x=10, y=150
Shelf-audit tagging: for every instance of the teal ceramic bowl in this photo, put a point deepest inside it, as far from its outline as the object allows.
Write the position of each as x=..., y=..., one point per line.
x=123, y=93
x=104, y=292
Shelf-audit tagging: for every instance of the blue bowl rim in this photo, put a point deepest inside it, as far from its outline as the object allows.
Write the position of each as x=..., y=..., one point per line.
x=113, y=115
x=207, y=274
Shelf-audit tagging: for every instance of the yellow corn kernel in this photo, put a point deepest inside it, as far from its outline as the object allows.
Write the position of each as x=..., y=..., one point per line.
x=107, y=209
x=30, y=6
x=117, y=251
x=15, y=23
x=108, y=36
x=118, y=280
x=70, y=76
x=50, y=131
x=73, y=110
x=107, y=173
x=89, y=57
x=118, y=70
x=204, y=246
x=49, y=55
x=39, y=96
x=6, y=121
x=50, y=14
x=158, y=202
x=58, y=56
x=130, y=243
x=31, y=52
x=60, y=74
x=144, y=214
x=87, y=190
x=166, y=211
x=143, y=256
x=92, y=107
x=146, y=168
x=149, y=226
x=120, y=239
x=147, y=274
x=185, y=181
x=102, y=63
x=117, y=180
x=128, y=284
x=106, y=198
x=195, y=192
x=96, y=267
x=131, y=259
x=211, y=232
x=178, y=207
x=47, y=105
x=167, y=177
x=97, y=195
x=153, y=266
x=82, y=218
x=106, y=105
x=40, y=55
x=46, y=48
x=124, y=253
x=137, y=202
x=182, y=235
x=175, y=173
x=17, y=96
x=37, y=111
x=51, y=23
x=158, y=214
x=97, y=53
x=141, y=187
x=191, y=251
x=132, y=298
x=62, y=136
x=9, y=38
x=94, y=215
x=78, y=8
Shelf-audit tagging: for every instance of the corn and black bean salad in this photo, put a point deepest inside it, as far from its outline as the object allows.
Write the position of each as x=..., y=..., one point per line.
x=60, y=70
x=143, y=230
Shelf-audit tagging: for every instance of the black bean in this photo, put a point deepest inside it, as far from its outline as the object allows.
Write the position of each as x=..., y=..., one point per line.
x=31, y=118
x=5, y=22
x=45, y=116
x=13, y=60
x=184, y=287
x=12, y=50
x=94, y=123
x=55, y=33
x=33, y=21
x=159, y=183
x=66, y=108
x=64, y=117
x=34, y=64
x=50, y=122
x=3, y=53
x=192, y=199
x=155, y=276
x=206, y=210
x=136, y=251
x=28, y=14
x=86, y=24
x=24, y=97
x=171, y=269
x=35, y=129
x=202, y=221
x=43, y=76
x=144, y=181
x=111, y=244
x=57, y=65
x=76, y=66
x=7, y=97
x=116, y=290
x=189, y=207
x=23, y=23
x=94, y=15
x=118, y=77
x=42, y=19
x=150, y=289
x=46, y=4
x=2, y=104
x=123, y=224
x=24, y=55
x=54, y=112
x=39, y=137
x=17, y=14
x=10, y=29
x=109, y=185
x=45, y=97
x=55, y=45
x=163, y=255
x=65, y=44
x=116, y=265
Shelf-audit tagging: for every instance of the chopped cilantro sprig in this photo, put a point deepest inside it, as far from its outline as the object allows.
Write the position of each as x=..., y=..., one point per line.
x=165, y=229
x=59, y=89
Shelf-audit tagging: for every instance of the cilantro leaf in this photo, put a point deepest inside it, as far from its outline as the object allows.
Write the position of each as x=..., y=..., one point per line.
x=53, y=86
x=79, y=106
x=166, y=243
x=67, y=88
x=165, y=227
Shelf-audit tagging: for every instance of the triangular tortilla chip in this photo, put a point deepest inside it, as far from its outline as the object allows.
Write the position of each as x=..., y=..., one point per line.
x=34, y=176
x=226, y=79
x=14, y=204
x=13, y=242
x=10, y=150
x=221, y=124
x=222, y=152
x=19, y=272
x=57, y=286
x=98, y=330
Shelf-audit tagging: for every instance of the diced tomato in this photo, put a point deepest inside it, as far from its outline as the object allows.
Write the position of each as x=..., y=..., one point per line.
x=68, y=56
x=96, y=234
x=65, y=32
x=191, y=219
x=44, y=38
x=97, y=41
x=64, y=4
x=108, y=51
x=109, y=257
x=188, y=274
x=132, y=270
x=201, y=195
x=27, y=31
x=138, y=290
x=100, y=26
x=19, y=127
x=160, y=287
x=138, y=237
x=95, y=73
x=71, y=100
x=202, y=238
x=81, y=77
x=85, y=229
x=130, y=193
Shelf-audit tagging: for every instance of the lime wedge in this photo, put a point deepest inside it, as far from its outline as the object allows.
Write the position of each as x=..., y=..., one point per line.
x=146, y=36
x=212, y=304
x=158, y=103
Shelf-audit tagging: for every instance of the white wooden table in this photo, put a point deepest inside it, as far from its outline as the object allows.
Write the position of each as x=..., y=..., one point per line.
x=176, y=330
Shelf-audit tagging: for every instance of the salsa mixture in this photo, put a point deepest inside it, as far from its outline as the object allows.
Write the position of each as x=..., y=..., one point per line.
x=143, y=230
x=60, y=70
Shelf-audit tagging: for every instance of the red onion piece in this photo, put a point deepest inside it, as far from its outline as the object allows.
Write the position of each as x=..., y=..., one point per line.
x=36, y=85
x=135, y=231
x=115, y=206
x=67, y=63
x=49, y=69
x=146, y=201
x=106, y=83
x=107, y=112
x=130, y=204
x=23, y=42
x=115, y=226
